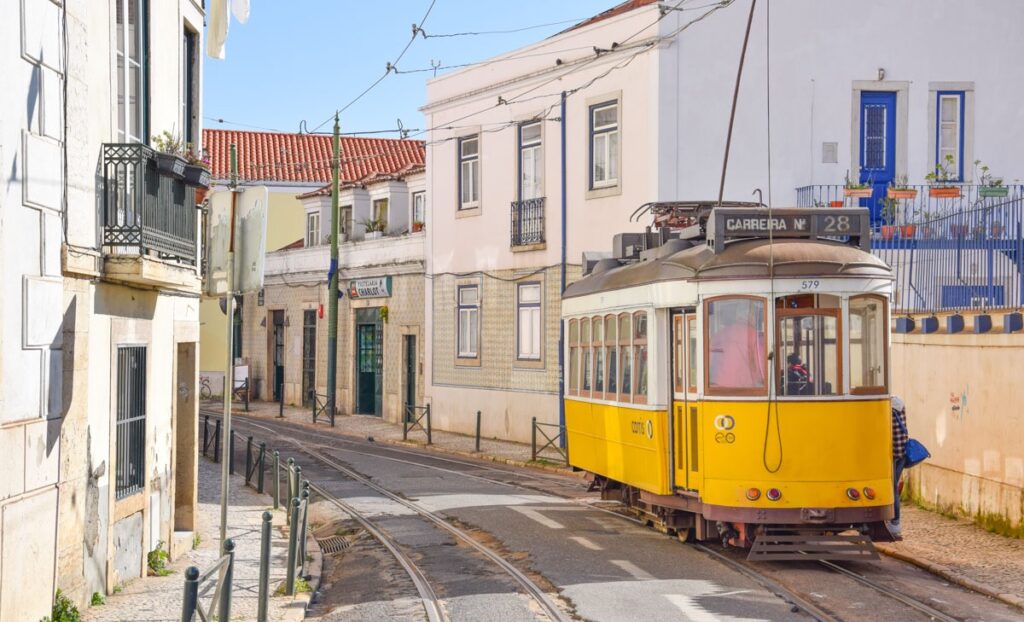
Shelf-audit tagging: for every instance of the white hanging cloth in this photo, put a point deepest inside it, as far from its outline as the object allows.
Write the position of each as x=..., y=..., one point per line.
x=217, y=28
x=240, y=9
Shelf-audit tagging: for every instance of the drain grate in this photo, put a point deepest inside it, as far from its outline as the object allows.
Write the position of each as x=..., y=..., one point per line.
x=333, y=544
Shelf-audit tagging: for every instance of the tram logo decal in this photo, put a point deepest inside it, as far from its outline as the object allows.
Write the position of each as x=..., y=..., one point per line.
x=643, y=428
x=725, y=422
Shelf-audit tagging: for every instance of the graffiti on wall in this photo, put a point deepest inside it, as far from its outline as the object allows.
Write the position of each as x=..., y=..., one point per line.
x=958, y=403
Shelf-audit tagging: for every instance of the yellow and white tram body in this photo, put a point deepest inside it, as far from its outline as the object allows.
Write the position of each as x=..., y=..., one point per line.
x=735, y=388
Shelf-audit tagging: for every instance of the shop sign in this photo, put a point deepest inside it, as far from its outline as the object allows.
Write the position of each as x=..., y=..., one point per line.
x=378, y=287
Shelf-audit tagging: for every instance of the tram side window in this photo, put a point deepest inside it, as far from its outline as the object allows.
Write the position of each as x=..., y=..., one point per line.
x=585, y=352
x=640, y=351
x=598, y=357
x=691, y=358
x=626, y=356
x=610, y=324
x=868, y=344
x=574, y=353
x=735, y=361
x=808, y=353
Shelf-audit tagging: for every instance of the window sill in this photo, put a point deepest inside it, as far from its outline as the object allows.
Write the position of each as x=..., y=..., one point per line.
x=529, y=364
x=468, y=212
x=525, y=248
x=467, y=362
x=126, y=506
x=609, y=191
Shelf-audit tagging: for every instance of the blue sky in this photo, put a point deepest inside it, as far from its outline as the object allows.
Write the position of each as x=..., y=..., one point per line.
x=303, y=59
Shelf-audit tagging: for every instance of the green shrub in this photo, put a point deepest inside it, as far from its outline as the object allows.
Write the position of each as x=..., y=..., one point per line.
x=157, y=561
x=63, y=610
x=97, y=599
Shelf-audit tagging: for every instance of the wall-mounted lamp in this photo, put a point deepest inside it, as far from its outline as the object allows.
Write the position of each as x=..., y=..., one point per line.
x=263, y=322
x=881, y=74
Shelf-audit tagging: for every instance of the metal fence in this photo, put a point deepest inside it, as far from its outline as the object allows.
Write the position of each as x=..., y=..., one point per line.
x=966, y=260
x=144, y=210
x=527, y=222
x=912, y=203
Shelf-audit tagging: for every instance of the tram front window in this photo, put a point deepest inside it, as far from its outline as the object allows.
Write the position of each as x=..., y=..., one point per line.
x=736, y=346
x=808, y=353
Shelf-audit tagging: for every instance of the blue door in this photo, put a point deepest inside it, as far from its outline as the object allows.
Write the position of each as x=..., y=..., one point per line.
x=877, y=146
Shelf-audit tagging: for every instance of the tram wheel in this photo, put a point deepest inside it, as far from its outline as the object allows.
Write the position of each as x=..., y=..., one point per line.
x=684, y=534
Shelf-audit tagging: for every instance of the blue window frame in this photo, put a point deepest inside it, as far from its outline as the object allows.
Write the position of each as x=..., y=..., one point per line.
x=949, y=130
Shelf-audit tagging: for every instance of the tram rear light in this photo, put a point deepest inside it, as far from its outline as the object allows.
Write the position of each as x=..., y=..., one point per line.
x=753, y=494
x=869, y=492
x=853, y=494
x=774, y=494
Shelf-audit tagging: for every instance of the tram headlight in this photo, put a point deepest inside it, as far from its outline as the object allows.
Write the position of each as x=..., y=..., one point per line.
x=753, y=494
x=853, y=494
x=774, y=494
x=869, y=493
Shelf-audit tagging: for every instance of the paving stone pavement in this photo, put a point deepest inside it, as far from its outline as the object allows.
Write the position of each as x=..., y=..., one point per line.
x=156, y=599
x=955, y=548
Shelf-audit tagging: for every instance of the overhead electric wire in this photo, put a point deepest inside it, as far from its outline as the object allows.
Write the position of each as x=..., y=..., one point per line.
x=499, y=32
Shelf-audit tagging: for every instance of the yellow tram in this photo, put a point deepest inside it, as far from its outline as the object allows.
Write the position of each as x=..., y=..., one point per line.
x=727, y=377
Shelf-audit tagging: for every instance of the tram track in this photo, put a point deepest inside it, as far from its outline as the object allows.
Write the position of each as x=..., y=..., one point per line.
x=790, y=596
x=432, y=604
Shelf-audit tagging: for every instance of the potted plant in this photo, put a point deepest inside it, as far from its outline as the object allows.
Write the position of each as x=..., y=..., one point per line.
x=374, y=228
x=900, y=189
x=197, y=169
x=927, y=229
x=940, y=179
x=856, y=190
x=417, y=226
x=997, y=229
x=989, y=185
x=889, y=207
x=169, y=154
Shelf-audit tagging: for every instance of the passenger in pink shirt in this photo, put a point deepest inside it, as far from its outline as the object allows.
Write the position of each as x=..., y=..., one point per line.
x=737, y=346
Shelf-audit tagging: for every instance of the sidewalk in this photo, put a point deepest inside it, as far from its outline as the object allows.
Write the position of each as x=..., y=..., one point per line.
x=160, y=598
x=957, y=550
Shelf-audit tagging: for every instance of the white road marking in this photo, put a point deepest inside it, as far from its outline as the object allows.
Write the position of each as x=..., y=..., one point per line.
x=691, y=609
x=585, y=543
x=439, y=503
x=540, y=518
x=633, y=570
x=733, y=593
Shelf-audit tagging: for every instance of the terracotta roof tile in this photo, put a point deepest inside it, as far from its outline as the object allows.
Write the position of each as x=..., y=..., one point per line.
x=306, y=158
x=372, y=178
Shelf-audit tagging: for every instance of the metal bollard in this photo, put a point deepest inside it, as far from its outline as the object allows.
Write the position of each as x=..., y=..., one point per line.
x=277, y=479
x=533, y=439
x=248, y=459
x=289, y=585
x=280, y=405
x=291, y=490
x=216, y=442
x=405, y=423
x=231, y=454
x=264, y=587
x=206, y=425
x=263, y=463
x=429, y=439
x=305, y=524
x=188, y=606
x=478, y=431
x=224, y=610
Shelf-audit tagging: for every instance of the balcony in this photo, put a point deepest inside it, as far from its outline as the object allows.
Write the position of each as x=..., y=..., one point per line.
x=147, y=219
x=528, y=224
x=911, y=203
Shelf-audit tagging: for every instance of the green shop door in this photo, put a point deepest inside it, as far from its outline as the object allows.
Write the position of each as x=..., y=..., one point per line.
x=369, y=362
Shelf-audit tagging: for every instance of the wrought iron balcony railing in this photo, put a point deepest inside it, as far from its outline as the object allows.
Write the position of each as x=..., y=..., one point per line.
x=910, y=203
x=145, y=211
x=528, y=222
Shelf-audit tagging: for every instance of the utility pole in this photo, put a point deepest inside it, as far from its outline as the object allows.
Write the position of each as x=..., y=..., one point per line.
x=332, y=285
x=229, y=373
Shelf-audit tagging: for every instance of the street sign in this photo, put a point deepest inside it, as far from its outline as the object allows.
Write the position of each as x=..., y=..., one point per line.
x=378, y=287
x=745, y=223
x=250, y=229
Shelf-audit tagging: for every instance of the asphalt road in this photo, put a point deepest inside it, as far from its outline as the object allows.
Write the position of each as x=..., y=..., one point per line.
x=597, y=565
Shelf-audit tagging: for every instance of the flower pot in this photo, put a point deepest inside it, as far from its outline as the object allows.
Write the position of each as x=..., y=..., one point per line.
x=417, y=227
x=901, y=193
x=889, y=232
x=373, y=235
x=198, y=176
x=907, y=231
x=858, y=193
x=993, y=191
x=835, y=203
x=997, y=229
x=170, y=164
x=927, y=233
x=944, y=192
x=201, y=194
x=959, y=231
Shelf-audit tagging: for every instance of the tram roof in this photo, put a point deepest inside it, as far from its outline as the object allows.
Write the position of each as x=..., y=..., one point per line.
x=741, y=259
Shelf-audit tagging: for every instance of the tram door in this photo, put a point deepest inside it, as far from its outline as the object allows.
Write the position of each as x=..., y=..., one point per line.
x=685, y=407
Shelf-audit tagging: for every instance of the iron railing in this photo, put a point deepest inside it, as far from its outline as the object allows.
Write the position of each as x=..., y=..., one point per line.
x=131, y=420
x=556, y=442
x=318, y=404
x=417, y=417
x=224, y=568
x=145, y=211
x=911, y=203
x=967, y=260
x=528, y=222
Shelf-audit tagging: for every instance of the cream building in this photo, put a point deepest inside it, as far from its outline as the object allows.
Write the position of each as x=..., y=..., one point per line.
x=100, y=295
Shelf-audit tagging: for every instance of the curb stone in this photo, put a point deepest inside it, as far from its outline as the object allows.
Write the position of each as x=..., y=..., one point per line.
x=951, y=576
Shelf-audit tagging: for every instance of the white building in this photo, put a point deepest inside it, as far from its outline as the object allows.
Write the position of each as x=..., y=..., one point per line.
x=866, y=89
x=100, y=283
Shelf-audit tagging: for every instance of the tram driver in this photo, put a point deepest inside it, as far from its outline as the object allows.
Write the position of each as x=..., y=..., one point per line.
x=798, y=378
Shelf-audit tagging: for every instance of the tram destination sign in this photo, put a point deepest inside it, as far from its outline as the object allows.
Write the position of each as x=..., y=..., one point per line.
x=851, y=225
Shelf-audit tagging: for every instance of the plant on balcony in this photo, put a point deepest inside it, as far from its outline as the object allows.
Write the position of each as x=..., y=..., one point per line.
x=900, y=189
x=197, y=171
x=989, y=184
x=857, y=190
x=374, y=228
x=889, y=212
x=170, y=152
x=417, y=225
x=942, y=177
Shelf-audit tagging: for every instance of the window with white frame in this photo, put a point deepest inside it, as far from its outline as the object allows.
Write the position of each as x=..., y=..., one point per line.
x=419, y=207
x=469, y=172
x=380, y=214
x=312, y=228
x=949, y=143
x=131, y=47
x=531, y=161
x=469, y=321
x=345, y=222
x=604, y=145
x=528, y=326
